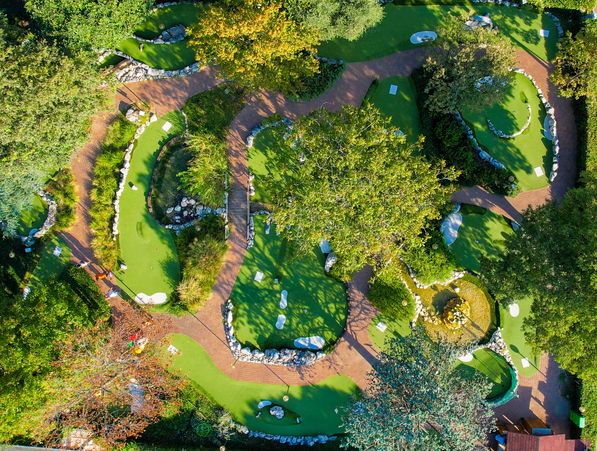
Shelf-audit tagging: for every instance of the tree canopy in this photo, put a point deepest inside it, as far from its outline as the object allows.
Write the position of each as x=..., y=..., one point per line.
x=254, y=43
x=553, y=260
x=583, y=5
x=575, y=67
x=347, y=19
x=89, y=24
x=416, y=401
x=353, y=171
x=468, y=68
x=46, y=104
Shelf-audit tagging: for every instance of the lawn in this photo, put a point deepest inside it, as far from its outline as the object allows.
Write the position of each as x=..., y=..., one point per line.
x=480, y=234
x=400, y=22
x=320, y=406
x=264, y=147
x=514, y=337
x=396, y=327
x=50, y=266
x=316, y=303
x=161, y=19
x=33, y=217
x=400, y=108
x=146, y=248
x=491, y=365
x=526, y=152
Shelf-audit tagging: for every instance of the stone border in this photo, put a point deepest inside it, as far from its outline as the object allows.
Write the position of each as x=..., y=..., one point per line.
x=551, y=120
x=292, y=440
x=138, y=71
x=160, y=39
x=471, y=136
x=282, y=357
x=50, y=218
x=125, y=170
x=501, y=134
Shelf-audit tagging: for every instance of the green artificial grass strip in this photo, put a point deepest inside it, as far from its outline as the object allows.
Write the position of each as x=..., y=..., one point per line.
x=319, y=406
x=159, y=56
x=49, y=266
x=33, y=217
x=316, y=303
x=480, y=234
x=161, y=19
x=400, y=22
x=512, y=332
x=397, y=327
x=401, y=108
x=146, y=247
x=491, y=365
x=263, y=148
x=525, y=152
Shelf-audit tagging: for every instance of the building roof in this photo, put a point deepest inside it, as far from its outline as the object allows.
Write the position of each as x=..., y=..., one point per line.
x=525, y=442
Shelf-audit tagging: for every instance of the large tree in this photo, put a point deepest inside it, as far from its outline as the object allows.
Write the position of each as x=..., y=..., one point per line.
x=468, y=68
x=86, y=24
x=553, y=259
x=254, y=43
x=351, y=178
x=575, y=67
x=583, y=5
x=46, y=104
x=347, y=19
x=416, y=401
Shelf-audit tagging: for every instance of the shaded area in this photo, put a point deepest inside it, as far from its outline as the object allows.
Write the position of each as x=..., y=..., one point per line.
x=491, y=366
x=33, y=217
x=319, y=405
x=265, y=148
x=316, y=303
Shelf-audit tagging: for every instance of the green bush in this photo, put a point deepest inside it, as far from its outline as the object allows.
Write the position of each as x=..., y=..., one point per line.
x=447, y=140
x=314, y=86
x=432, y=263
x=104, y=186
x=62, y=188
x=389, y=294
x=588, y=401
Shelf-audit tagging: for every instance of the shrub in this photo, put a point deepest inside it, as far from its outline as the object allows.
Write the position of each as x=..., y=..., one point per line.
x=389, y=294
x=201, y=250
x=104, y=186
x=588, y=400
x=432, y=263
x=312, y=87
x=62, y=188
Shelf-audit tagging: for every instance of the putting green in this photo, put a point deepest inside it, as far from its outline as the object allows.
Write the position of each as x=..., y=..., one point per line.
x=316, y=303
x=33, y=217
x=400, y=22
x=401, y=107
x=319, y=406
x=523, y=154
x=146, y=247
x=49, y=265
x=264, y=147
x=396, y=327
x=513, y=335
x=491, y=365
x=480, y=234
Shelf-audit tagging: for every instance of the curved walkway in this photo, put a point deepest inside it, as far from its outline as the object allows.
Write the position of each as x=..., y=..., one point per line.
x=354, y=352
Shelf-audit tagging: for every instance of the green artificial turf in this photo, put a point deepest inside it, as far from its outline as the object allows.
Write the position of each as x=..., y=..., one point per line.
x=491, y=365
x=316, y=303
x=401, y=108
x=49, y=266
x=397, y=327
x=146, y=247
x=319, y=406
x=264, y=147
x=400, y=22
x=33, y=217
x=514, y=337
x=161, y=19
x=525, y=152
x=480, y=234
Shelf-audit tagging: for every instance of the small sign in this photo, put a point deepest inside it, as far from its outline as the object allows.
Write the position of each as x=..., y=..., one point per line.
x=393, y=90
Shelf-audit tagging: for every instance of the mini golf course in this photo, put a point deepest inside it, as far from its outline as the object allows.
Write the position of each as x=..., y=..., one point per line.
x=490, y=365
x=319, y=406
x=512, y=332
x=482, y=232
x=393, y=33
x=316, y=303
x=264, y=147
x=396, y=97
x=528, y=151
x=146, y=248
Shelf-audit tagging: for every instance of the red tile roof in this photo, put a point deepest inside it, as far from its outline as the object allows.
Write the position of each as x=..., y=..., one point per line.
x=525, y=442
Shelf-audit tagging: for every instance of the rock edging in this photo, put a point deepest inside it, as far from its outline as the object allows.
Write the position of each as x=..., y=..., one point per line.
x=471, y=136
x=292, y=440
x=501, y=134
x=138, y=71
x=172, y=35
x=50, y=218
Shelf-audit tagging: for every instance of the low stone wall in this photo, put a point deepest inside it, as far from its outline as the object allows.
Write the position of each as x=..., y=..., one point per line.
x=292, y=440
x=501, y=134
x=471, y=136
x=172, y=35
x=50, y=218
x=138, y=71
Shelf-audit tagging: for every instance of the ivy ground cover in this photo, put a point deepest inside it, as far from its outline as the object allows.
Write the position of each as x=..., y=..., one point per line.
x=393, y=33
x=146, y=248
x=316, y=303
x=528, y=151
x=320, y=406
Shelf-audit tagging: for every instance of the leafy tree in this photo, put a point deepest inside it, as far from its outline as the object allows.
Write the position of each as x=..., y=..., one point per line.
x=575, y=67
x=553, y=260
x=468, y=68
x=336, y=18
x=46, y=104
x=254, y=43
x=370, y=194
x=583, y=5
x=205, y=176
x=416, y=401
x=89, y=24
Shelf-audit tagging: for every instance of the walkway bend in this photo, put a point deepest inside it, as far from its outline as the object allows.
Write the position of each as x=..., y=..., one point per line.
x=354, y=352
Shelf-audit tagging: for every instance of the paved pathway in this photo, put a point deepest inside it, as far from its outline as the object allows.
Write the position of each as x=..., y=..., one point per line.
x=354, y=353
